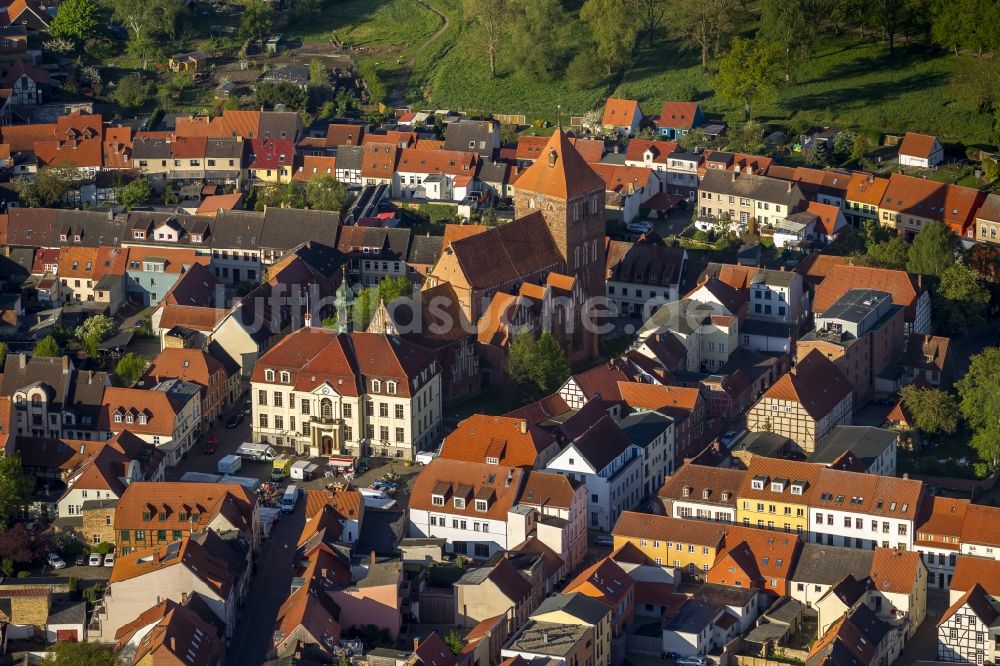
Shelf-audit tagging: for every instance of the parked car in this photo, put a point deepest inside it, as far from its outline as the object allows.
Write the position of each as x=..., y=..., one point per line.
x=604, y=541
x=55, y=561
x=211, y=444
x=246, y=410
x=109, y=560
x=81, y=560
x=234, y=420
x=94, y=560
x=694, y=661
x=639, y=227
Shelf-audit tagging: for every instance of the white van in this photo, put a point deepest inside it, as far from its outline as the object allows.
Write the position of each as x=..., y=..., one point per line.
x=290, y=498
x=256, y=452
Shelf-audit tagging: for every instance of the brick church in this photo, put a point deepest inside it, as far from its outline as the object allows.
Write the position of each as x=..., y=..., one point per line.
x=538, y=270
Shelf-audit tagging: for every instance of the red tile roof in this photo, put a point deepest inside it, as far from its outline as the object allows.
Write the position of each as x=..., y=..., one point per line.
x=905, y=288
x=971, y=570
x=660, y=150
x=917, y=145
x=677, y=115
x=621, y=113
x=560, y=171
x=815, y=383
x=605, y=581
x=512, y=442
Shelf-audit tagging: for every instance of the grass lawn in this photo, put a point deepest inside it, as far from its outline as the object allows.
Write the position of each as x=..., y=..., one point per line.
x=848, y=82
x=941, y=457
x=369, y=23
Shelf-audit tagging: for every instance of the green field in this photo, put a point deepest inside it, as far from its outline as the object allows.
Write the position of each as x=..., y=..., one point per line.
x=849, y=81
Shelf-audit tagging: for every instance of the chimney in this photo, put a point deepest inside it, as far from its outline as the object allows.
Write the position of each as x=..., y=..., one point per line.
x=789, y=186
x=732, y=176
x=323, y=572
x=416, y=643
x=173, y=644
x=65, y=365
x=373, y=558
x=22, y=360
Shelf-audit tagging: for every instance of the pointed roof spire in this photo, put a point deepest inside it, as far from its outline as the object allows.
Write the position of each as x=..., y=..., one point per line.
x=560, y=171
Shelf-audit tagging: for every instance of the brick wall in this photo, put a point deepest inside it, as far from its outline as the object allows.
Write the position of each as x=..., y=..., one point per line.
x=99, y=523
x=32, y=609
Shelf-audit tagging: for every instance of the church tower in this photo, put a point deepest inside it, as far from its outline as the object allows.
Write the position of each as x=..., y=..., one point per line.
x=570, y=197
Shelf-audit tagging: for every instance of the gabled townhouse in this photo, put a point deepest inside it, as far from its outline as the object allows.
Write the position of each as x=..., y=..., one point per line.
x=435, y=175
x=704, y=493
x=777, y=494
x=858, y=637
x=154, y=514
x=609, y=465
x=644, y=275
x=737, y=197
x=823, y=186
x=938, y=539
x=509, y=585
x=566, y=612
x=922, y=151
x=907, y=292
x=864, y=196
x=654, y=155
x=611, y=585
x=173, y=633
x=353, y=394
x=909, y=204
x=707, y=330
x=678, y=118
x=483, y=509
x=621, y=116
x=687, y=408
x=820, y=568
x=167, y=415
x=862, y=334
x=755, y=559
x=307, y=618
x=981, y=532
x=863, y=510
x=217, y=383
x=269, y=161
x=929, y=358
x=478, y=136
x=972, y=571
x=988, y=221
x=691, y=545
x=52, y=399
x=740, y=163
x=710, y=619
x=967, y=632
x=627, y=189
x=498, y=440
x=343, y=134
x=175, y=571
x=653, y=433
x=151, y=272
x=374, y=254
x=805, y=403
x=108, y=468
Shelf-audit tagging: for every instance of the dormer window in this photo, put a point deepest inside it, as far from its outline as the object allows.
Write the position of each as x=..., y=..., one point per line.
x=118, y=418
x=481, y=505
x=376, y=386
x=269, y=375
x=798, y=487
x=146, y=515
x=129, y=418
x=143, y=419
x=706, y=493
x=687, y=491
x=390, y=388
x=139, y=234
x=195, y=238
x=286, y=377
x=437, y=500
x=758, y=482
x=490, y=460
x=725, y=496
x=778, y=485
x=459, y=502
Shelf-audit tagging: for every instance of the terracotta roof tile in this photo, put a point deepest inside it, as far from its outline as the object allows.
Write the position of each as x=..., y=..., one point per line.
x=694, y=481
x=866, y=188
x=512, y=442
x=605, y=581
x=620, y=112
x=917, y=145
x=657, y=396
x=560, y=172
x=316, y=166
x=777, y=468
x=550, y=490
x=178, y=497
x=905, y=289
x=971, y=570
x=193, y=317
x=678, y=115
x=189, y=554
x=895, y=570
x=664, y=528
x=815, y=383
x=941, y=522
x=982, y=525
x=475, y=479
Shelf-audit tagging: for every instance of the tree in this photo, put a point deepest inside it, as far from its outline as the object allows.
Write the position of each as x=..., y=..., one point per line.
x=889, y=15
x=932, y=250
x=819, y=155
x=539, y=364
x=492, y=17
x=892, y=253
x=256, y=21
x=99, y=326
x=87, y=653
x=368, y=300
x=319, y=75
x=747, y=138
x=650, y=14
x=979, y=393
x=15, y=491
x=991, y=170
x=794, y=26
x=934, y=410
x=281, y=92
x=539, y=36
x=843, y=145
x=454, y=642
x=325, y=193
x=53, y=183
x=129, y=369
x=147, y=22
x=488, y=218
x=77, y=20
x=134, y=194
x=748, y=73
x=131, y=92
x=614, y=35
x=47, y=347
x=703, y=25
x=962, y=299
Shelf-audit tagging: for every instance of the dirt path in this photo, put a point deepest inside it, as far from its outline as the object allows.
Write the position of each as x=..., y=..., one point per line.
x=397, y=97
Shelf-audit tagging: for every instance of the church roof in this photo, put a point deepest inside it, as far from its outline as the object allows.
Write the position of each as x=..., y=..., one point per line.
x=560, y=172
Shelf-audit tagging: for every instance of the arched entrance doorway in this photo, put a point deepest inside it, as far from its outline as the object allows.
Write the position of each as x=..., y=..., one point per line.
x=326, y=445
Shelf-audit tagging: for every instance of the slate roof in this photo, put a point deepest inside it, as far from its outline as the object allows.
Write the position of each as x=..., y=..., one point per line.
x=818, y=564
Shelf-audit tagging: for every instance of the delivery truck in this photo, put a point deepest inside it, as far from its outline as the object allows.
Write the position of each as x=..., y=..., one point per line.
x=303, y=470
x=256, y=452
x=230, y=464
x=280, y=468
